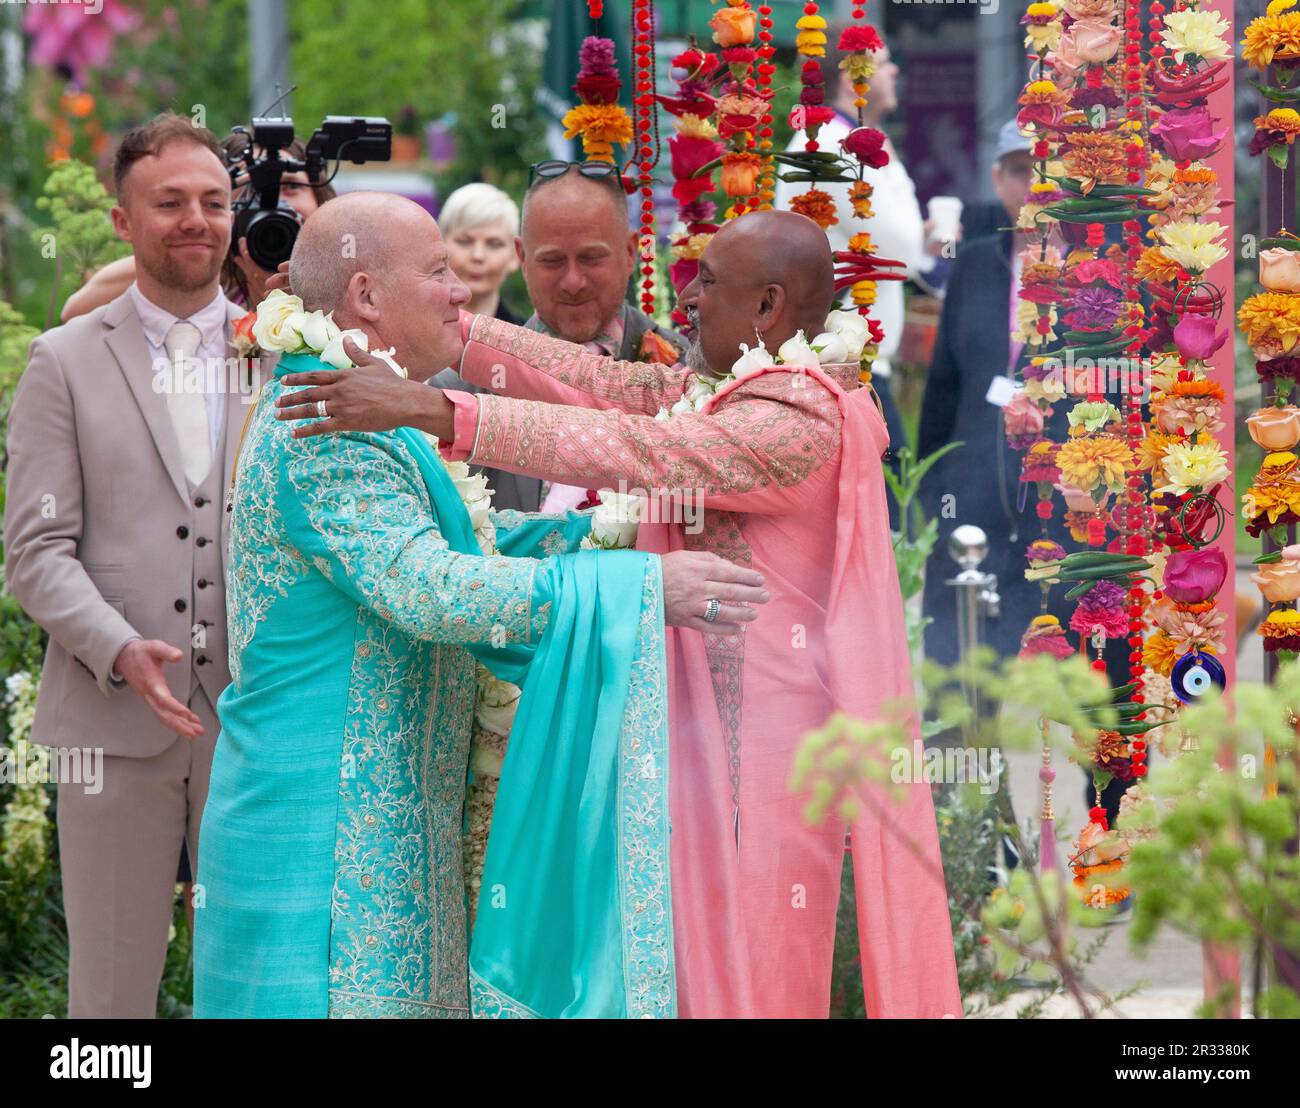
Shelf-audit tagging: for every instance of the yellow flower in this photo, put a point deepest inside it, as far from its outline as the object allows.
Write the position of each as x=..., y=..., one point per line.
x=692, y=126
x=1042, y=37
x=1286, y=120
x=859, y=67
x=1196, y=32
x=1188, y=466
x=1272, y=36
x=1152, y=451
x=600, y=125
x=1192, y=245
x=1271, y=322
x=1090, y=463
x=692, y=248
x=1154, y=264
x=1159, y=653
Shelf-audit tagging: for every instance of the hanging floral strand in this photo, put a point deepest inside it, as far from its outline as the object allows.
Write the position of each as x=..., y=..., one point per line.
x=646, y=150
x=1271, y=322
x=599, y=119
x=694, y=150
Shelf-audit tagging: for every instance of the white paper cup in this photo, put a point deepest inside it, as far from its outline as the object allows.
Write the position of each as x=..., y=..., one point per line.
x=945, y=211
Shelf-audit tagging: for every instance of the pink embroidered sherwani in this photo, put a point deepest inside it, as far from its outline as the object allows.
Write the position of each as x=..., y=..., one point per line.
x=788, y=465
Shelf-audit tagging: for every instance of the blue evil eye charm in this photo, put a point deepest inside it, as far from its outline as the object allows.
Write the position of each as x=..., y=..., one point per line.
x=1195, y=674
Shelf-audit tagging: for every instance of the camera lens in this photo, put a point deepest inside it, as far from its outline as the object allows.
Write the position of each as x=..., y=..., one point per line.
x=271, y=235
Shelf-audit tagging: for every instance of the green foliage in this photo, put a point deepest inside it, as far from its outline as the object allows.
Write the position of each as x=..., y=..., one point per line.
x=1210, y=846
x=15, y=337
x=915, y=542
x=80, y=236
x=1215, y=862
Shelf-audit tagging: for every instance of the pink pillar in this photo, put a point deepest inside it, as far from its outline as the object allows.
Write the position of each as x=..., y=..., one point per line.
x=1222, y=965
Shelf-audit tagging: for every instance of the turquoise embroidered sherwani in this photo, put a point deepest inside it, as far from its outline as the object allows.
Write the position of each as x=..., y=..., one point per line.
x=330, y=875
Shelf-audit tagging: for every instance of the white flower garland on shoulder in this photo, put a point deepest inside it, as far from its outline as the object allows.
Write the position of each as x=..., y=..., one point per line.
x=284, y=326
x=847, y=334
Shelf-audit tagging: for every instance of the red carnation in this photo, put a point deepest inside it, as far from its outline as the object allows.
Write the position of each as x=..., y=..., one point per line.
x=739, y=55
x=867, y=145
x=696, y=61
x=806, y=117
x=859, y=39
x=597, y=88
x=688, y=190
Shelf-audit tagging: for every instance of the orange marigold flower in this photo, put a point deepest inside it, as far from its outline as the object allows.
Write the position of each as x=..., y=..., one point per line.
x=860, y=195
x=816, y=205
x=1272, y=37
x=1155, y=265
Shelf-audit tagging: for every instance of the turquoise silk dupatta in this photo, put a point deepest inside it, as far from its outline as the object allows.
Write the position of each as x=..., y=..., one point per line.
x=575, y=913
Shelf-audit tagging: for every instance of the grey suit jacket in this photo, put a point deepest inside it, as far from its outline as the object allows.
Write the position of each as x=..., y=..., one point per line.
x=100, y=524
x=512, y=490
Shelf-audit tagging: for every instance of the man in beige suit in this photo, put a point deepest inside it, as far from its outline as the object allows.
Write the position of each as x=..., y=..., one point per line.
x=115, y=533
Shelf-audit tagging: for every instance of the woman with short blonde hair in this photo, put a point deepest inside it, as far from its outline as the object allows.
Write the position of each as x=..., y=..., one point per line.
x=479, y=223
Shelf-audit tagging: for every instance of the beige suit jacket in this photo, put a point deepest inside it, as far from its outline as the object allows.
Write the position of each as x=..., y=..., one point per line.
x=99, y=526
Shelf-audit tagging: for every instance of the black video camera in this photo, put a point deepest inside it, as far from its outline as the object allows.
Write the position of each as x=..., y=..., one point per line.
x=269, y=224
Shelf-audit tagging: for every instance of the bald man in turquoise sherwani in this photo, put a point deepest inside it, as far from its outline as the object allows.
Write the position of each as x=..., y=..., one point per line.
x=330, y=880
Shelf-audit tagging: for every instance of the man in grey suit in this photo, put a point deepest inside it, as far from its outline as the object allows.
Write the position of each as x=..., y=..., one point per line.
x=577, y=254
x=122, y=435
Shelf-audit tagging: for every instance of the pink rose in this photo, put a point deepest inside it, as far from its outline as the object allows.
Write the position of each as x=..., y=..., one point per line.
x=1186, y=134
x=1094, y=41
x=1195, y=337
x=1194, y=576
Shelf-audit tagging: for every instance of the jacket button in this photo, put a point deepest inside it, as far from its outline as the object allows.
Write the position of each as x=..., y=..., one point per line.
x=200, y=501
x=182, y=532
x=179, y=605
x=201, y=660
x=200, y=541
x=203, y=582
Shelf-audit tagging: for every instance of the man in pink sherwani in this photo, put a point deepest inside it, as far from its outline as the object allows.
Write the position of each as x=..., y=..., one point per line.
x=787, y=462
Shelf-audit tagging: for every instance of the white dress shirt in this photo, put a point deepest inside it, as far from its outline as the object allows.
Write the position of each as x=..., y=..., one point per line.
x=211, y=320
x=895, y=229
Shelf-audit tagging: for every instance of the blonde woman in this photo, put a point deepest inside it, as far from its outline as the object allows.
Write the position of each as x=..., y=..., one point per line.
x=479, y=223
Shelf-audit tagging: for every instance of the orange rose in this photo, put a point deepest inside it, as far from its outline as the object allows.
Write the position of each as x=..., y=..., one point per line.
x=1278, y=581
x=734, y=27
x=1279, y=269
x=740, y=172
x=1275, y=428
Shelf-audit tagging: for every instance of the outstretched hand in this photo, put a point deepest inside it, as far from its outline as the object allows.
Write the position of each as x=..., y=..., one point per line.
x=369, y=397
x=694, y=577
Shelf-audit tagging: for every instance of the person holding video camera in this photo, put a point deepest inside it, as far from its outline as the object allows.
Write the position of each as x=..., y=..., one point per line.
x=242, y=279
